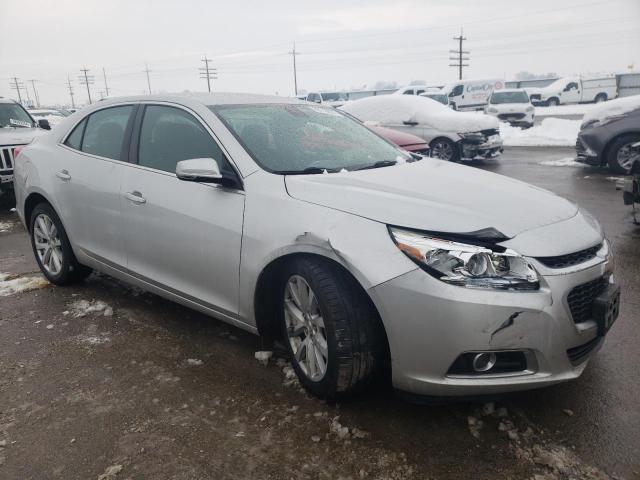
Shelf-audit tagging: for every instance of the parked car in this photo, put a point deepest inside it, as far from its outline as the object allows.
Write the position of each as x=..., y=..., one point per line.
x=293, y=220
x=608, y=132
x=512, y=106
x=411, y=90
x=631, y=194
x=17, y=128
x=471, y=94
x=333, y=99
x=53, y=116
x=405, y=141
x=575, y=90
x=451, y=135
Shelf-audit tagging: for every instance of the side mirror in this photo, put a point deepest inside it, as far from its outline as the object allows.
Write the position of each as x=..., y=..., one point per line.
x=203, y=170
x=44, y=124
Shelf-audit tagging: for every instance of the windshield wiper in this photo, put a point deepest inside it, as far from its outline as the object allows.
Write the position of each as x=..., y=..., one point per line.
x=380, y=164
x=308, y=171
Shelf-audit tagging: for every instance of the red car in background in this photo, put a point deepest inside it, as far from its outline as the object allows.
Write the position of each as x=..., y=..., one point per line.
x=406, y=141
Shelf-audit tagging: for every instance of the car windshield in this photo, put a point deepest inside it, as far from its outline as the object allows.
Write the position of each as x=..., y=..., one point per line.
x=333, y=97
x=14, y=115
x=438, y=97
x=509, y=97
x=291, y=138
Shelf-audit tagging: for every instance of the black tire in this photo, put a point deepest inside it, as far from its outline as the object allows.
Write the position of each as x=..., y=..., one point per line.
x=614, y=150
x=351, y=328
x=601, y=97
x=71, y=270
x=442, y=144
x=553, y=102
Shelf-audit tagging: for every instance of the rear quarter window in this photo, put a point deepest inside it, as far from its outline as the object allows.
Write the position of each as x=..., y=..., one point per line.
x=75, y=139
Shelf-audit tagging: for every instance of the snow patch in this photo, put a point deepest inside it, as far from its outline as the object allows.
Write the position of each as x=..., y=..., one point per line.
x=552, y=132
x=612, y=108
x=82, y=308
x=11, y=284
x=563, y=162
x=6, y=226
x=194, y=362
x=562, y=110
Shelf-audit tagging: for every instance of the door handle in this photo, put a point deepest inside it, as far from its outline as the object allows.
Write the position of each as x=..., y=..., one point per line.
x=63, y=175
x=135, y=197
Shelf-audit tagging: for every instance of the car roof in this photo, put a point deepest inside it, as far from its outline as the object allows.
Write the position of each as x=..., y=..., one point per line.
x=207, y=99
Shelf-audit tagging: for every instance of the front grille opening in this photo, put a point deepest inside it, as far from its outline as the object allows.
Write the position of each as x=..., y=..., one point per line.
x=505, y=362
x=570, y=259
x=581, y=299
x=578, y=355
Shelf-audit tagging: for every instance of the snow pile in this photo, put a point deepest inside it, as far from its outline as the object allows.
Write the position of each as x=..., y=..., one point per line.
x=81, y=308
x=612, y=108
x=394, y=110
x=5, y=226
x=552, y=132
x=12, y=284
x=562, y=110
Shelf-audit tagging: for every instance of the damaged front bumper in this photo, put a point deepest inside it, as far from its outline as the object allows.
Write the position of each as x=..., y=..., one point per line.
x=433, y=326
x=491, y=148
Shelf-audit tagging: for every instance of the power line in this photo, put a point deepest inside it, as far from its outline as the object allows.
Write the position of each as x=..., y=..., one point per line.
x=460, y=59
x=146, y=70
x=86, y=80
x=293, y=53
x=210, y=73
x=73, y=103
x=106, y=87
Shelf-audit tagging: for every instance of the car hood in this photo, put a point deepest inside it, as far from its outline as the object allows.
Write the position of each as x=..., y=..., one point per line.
x=435, y=196
x=401, y=139
x=19, y=135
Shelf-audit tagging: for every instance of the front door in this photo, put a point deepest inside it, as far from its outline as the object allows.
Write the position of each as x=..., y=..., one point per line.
x=182, y=236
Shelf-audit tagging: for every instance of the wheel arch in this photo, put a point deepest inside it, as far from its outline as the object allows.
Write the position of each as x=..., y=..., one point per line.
x=605, y=151
x=32, y=200
x=265, y=294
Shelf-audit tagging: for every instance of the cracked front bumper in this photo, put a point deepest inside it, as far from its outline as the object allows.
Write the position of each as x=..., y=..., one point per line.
x=430, y=324
x=478, y=151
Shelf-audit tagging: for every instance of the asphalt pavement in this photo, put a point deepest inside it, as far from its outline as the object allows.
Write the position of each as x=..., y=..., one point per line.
x=104, y=381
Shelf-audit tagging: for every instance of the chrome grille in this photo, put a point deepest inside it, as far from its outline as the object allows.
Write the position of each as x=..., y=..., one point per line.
x=6, y=159
x=570, y=259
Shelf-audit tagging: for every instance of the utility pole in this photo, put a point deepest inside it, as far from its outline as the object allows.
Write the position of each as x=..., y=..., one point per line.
x=106, y=87
x=293, y=53
x=146, y=70
x=16, y=85
x=35, y=92
x=73, y=103
x=459, y=55
x=210, y=73
x=86, y=80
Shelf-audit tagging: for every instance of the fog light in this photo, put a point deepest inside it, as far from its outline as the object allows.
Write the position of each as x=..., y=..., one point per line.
x=483, y=362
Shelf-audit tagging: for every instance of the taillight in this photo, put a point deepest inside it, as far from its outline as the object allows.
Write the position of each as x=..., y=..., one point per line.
x=16, y=151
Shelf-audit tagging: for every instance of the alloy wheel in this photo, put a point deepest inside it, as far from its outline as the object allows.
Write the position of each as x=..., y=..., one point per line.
x=48, y=244
x=627, y=156
x=305, y=327
x=442, y=150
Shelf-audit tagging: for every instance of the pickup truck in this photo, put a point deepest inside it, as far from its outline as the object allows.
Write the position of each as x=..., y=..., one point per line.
x=575, y=90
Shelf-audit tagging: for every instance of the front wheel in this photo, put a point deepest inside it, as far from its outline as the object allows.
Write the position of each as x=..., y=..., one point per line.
x=329, y=328
x=445, y=149
x=52, y=249
x=622, y=155
x=553, y=102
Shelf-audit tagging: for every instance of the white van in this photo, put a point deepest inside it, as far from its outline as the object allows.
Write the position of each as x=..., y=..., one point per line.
x=411, y=90
x=472, y=94
x=575, y=90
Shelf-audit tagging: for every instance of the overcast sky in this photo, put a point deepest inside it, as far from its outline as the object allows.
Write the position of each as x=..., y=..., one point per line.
x=342, y=44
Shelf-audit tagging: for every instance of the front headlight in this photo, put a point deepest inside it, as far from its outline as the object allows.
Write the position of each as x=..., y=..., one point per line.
x=465, y=265
x=492, y=110
x=475, y=137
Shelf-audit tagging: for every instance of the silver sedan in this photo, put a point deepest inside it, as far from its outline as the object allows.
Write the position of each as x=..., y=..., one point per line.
x=295, y=222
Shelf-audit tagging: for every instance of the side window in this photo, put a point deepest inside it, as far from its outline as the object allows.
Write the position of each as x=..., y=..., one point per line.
x=169, y=135
x=457, y=90
x=75, y=138
x=104, y=132
x=314, y=97
x=418, y=92
x=408, y=92
x=571, y=86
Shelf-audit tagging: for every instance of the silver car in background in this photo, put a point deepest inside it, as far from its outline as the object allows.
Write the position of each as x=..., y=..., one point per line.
x=293, y=221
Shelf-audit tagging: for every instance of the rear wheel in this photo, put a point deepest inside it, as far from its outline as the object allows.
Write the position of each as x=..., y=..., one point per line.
x=52, y=249
x=329, y=328
x=444, y=149
x=621, y=156
x=601, y=97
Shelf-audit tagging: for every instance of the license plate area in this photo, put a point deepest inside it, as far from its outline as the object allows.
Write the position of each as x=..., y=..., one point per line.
x=606, y=308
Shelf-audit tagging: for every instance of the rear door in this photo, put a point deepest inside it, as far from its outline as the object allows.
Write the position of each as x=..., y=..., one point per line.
x=182, y=236
x=88, y=182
